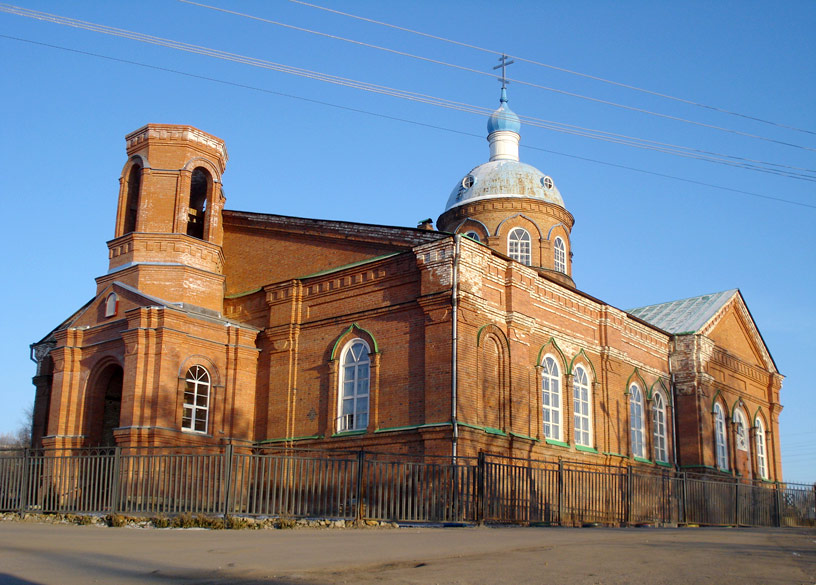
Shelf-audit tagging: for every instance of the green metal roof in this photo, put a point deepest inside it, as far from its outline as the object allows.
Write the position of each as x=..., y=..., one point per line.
x=685, y=315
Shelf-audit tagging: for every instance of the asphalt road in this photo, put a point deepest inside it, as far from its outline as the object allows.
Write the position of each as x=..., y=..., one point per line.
x=42, y=554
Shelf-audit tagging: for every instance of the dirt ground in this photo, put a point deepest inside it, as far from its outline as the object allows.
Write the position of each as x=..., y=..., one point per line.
x=44, y=554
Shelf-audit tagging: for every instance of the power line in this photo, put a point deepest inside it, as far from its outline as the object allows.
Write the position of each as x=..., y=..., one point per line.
x=398, y=93
x=563, y=70
x=509, y=79
x=404, y=120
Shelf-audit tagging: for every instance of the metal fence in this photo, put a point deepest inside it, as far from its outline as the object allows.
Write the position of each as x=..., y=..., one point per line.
x=378, y=486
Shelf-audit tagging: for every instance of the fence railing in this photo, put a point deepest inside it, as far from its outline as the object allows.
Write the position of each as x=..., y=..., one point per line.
x=377, y=486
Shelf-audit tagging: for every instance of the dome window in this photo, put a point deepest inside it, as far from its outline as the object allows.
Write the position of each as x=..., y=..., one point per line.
x=547, y=183
x=473, y=236
x=468, y=182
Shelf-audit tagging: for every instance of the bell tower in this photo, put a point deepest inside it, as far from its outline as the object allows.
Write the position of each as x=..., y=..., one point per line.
x=169, y=229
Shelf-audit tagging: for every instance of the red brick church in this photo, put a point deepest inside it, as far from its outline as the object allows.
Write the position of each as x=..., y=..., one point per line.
x=215, y=326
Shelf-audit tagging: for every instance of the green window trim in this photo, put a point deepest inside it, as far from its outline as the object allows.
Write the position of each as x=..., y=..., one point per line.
x=663, y=464
x=615, y=454
x=585, y=449
x=557, y=443
x=643, y=460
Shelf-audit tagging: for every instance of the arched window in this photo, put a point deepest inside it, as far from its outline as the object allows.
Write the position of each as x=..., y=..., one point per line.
x=551, y=398
x=518, y=245
x=741, y=430
x=134, y=183
x=199, y=189
x=720, y=438
x=196, y=400
x=582, y=406
x=473, y=236
x=661, y=452
x=111, y=305
x=352, y=409
x=560, y=255
x=636, y=420
x=761, y=450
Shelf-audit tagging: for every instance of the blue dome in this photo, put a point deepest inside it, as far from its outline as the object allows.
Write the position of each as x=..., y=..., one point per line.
x=504, y=118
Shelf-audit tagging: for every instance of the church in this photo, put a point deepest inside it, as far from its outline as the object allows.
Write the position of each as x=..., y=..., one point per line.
x=213, y=326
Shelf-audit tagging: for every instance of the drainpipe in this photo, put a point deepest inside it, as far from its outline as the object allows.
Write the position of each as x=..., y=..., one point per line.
x=454, y=346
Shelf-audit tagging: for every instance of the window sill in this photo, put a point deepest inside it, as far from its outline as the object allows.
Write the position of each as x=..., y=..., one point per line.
x=557, y=443
x=615, y=454
x=585, y=449
x=642, y=460
x=349, y=433
x=664, y=464
x=197, y=433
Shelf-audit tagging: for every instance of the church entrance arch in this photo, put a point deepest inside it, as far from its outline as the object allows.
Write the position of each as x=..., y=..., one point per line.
x=109, y=387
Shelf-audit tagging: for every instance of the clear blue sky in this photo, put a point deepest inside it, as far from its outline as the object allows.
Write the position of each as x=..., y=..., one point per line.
x=640, y=238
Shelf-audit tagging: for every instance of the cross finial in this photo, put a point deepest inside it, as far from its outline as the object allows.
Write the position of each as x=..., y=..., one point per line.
x=503, y=63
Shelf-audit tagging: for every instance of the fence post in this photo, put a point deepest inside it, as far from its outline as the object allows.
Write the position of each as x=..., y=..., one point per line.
x=736, y=501
x=23, y=495
x=481, y=489
x=228, y=479
x=682, y=516
x=629, y=489
x=361, y=461
x=778, y=504
x=117, y=452
x=560, y=490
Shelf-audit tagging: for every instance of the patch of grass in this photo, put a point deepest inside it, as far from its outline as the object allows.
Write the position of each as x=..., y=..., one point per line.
x=116, y=520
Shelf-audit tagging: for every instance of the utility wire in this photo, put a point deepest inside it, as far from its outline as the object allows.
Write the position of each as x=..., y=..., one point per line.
x=385, y=90
x=509, y=79
x=404, y=120
x=563, y=70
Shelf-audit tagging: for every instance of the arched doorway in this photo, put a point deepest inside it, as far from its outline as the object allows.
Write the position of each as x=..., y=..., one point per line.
x=110, y=387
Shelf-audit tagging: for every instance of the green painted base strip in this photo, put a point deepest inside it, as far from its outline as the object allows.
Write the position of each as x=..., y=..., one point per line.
x=520, y=436
x=288, y=439
x=642, y=460
x=488, y=430
x=663, y=464
x=586, y=449
x=557, y=443
x=412, y=427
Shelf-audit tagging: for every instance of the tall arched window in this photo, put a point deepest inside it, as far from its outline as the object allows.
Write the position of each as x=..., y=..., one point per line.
x=134, y=183
x=560, y=255
x=582, y=407
x=352, y=405
x=741, y=430
x=761, y=450
x=199, y=190
x=551, y=398
x=661, y=451
x=196, y=400
x=518, y=245
x=636, y=420
x=720, y=437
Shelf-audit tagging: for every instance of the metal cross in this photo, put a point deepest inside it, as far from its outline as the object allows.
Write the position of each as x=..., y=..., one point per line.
x=503, y=65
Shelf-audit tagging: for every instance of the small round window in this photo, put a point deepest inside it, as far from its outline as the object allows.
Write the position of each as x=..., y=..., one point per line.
x=547, y=183
x=468, y=182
